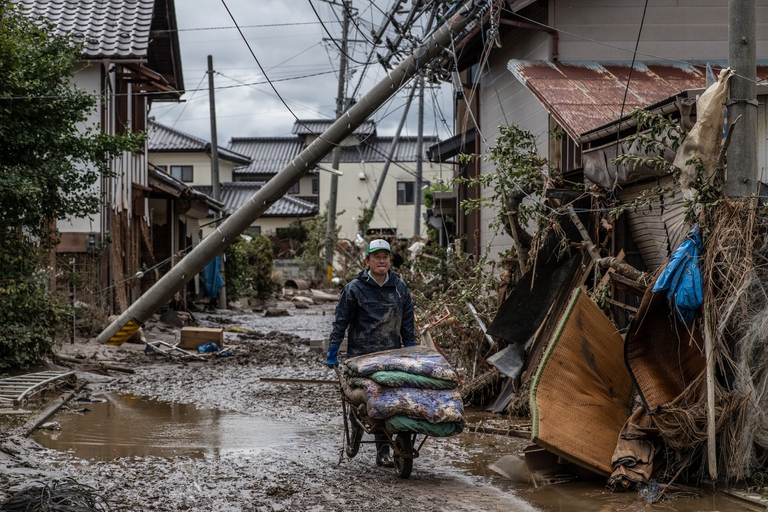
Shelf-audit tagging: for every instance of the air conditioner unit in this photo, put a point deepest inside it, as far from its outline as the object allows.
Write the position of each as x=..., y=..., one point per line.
x=362, y=176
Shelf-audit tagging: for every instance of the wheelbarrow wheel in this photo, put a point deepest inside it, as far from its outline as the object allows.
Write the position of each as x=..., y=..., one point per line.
x=356, y=434
x=404, y=462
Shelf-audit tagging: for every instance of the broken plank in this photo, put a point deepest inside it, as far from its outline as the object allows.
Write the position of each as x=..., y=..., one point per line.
x=277, y=380
x=627, y=285
x=508, y=432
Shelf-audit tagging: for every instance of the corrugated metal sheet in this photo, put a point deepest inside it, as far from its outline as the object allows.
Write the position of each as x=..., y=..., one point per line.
x=318, y=126
x=584, y=95
x=235, y=194
x=270, y=154
x=107, y=28
x=164, y=139
x=657, y=232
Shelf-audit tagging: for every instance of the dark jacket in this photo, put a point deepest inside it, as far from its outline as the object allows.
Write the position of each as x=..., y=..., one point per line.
x=378, y=317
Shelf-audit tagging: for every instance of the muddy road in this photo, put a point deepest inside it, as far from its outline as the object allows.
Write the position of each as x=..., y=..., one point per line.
x=205, y=436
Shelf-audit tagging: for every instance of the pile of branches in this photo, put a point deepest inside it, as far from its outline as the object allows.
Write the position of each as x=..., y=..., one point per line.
x=445, y=283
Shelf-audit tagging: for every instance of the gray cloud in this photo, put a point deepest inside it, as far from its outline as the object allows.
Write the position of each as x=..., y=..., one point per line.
x=293, y=46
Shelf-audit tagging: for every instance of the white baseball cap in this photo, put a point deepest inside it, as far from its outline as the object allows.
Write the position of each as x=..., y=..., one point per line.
x=378, y=245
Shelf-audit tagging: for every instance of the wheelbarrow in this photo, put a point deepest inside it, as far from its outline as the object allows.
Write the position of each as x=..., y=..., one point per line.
x=357, y=422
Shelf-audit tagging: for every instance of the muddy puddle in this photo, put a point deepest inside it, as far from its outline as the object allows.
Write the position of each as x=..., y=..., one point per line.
x=500, y=460
x=125, y=425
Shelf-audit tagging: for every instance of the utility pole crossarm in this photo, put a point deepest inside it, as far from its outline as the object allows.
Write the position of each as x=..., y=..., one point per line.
x=274, y=189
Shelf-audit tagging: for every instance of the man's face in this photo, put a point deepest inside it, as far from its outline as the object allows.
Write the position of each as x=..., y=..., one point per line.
x=379, y=263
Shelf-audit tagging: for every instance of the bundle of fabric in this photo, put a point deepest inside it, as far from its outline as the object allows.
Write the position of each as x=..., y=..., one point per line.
x=411, y=389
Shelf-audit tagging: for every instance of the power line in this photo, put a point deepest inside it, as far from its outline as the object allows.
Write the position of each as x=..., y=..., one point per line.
x=332, y=39
x=626, y=90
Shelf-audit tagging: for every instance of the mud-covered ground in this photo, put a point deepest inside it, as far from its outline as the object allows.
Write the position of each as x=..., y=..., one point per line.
x=452, y=474
x=305, y=475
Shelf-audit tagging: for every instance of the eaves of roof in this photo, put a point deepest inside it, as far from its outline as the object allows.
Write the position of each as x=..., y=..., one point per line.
x=235, y=194
x=166, y=183
x=164, y=139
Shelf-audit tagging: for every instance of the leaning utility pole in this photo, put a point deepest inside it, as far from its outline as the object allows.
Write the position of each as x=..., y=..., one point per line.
x=215, y=184
x=419, y=161
x=226, y=233
x=741, y=179
x=334, y=191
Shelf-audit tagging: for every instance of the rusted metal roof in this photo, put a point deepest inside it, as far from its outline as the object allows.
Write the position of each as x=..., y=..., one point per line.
x=235, y=194
x=586, y=94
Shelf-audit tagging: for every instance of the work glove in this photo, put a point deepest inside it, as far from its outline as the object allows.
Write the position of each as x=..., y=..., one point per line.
x=332, y=357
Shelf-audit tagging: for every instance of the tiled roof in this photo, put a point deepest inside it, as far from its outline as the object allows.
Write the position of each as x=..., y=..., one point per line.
x=586, y=94
x=235, y=194
x=164, y=139
x=182, y=188
x=107, y=28
x=268, y=154
x=271, y=154
x=318, y=126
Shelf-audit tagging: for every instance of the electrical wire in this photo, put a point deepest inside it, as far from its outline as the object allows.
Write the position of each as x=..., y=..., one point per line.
x=332, y=39
x=190, y=98
x=626, y=91
x=692, y=62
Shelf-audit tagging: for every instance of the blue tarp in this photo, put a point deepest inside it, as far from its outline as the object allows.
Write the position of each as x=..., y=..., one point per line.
x=213, y=279
x=682, y=278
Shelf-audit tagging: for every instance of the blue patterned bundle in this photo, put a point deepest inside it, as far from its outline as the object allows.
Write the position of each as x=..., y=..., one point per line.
x=399, y=383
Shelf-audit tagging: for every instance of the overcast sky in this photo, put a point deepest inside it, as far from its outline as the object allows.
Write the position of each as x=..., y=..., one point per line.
x=288, y=41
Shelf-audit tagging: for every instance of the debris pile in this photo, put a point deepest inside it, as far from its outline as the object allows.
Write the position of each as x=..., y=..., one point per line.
x=635, y=332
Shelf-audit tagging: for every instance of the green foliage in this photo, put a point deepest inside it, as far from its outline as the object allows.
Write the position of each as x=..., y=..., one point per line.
x=312, y=255
x=50, y=164
x=249, y=268
x=518, y=169
x=30, y=316
x=655, y=136
x=429, y=193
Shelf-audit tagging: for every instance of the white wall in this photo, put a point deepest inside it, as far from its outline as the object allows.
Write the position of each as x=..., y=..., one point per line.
x=389, y=214
x=600, y=30
x=87, y=78
x=201, y=163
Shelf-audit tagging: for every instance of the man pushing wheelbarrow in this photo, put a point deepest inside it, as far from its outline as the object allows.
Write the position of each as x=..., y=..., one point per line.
x=405, y=391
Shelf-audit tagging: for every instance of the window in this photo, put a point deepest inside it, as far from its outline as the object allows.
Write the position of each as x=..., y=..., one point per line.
x=254, y=229
x=295, y=189
x=405, y=192
x=163, y=168
x=182, y=172
x=315, y=186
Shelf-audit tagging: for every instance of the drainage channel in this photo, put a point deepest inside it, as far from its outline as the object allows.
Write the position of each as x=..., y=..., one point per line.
x=125, y=425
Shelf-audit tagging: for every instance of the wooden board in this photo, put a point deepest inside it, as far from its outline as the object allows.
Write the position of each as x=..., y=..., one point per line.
x=193, y=337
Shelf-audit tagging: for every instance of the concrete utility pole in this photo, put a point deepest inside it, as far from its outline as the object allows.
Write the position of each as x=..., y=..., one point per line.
x=741, y=179
x=390, y=156
x=215, y=185
x=419, y=162
x=340, y=104
x=216, y=190
x=141, y=310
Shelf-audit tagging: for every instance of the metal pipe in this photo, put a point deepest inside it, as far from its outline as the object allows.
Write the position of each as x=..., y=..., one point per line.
x=130, y=320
